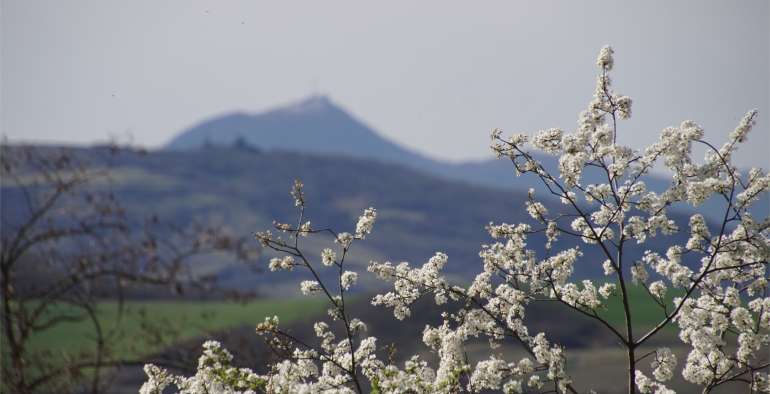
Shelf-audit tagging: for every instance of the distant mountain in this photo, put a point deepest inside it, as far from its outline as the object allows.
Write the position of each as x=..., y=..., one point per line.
x=313, y=125
x=317, y=125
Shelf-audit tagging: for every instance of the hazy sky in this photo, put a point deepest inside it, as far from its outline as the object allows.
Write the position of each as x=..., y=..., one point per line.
x=435, y=76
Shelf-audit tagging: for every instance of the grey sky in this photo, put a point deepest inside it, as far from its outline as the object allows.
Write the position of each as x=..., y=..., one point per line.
x=432, y=75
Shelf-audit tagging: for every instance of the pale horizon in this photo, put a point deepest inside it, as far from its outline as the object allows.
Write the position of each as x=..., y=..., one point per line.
x=436, y=84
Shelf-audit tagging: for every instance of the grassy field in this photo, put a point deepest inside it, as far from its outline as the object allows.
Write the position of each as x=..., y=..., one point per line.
x=148, y=326
x=145, y=328
x=645, y=312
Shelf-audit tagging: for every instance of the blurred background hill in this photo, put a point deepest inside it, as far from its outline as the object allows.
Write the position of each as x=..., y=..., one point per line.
x=236, y=170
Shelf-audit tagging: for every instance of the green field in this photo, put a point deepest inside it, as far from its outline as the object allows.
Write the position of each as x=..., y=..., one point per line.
x=145, y=327
x=645, y=312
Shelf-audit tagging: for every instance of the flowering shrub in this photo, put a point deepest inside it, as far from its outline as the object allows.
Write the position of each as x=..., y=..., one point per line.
x=720, y=274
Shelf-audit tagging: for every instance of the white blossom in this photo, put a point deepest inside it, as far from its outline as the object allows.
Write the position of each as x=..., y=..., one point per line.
x=607, y=289
x=548, y=141
x=283, y=263
x=328, y=257
x=604, y=60
x=658, y=289
x=664, y=364
x=310, y=287
x=366, y=222
x=344, y=239
x=348, y=279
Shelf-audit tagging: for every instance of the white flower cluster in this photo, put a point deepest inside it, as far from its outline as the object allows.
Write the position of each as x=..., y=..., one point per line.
x=328, y=257
x=215, y=374
x=310, y=287
x=411, y=284
x=664, y=364
x=713, y=287
x=649, y=386
x=348, y=279
x=548, y=141
x=366, y=222
x=344, y=239
x=283, y=263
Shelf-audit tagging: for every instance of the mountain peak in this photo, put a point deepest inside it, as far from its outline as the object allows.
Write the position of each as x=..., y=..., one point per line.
x=310, y=104
x=313, y=124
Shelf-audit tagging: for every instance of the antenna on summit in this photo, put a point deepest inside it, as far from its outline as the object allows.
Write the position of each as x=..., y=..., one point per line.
x=314, y=91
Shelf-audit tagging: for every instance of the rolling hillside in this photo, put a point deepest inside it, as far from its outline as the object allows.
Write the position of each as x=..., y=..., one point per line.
x=246, y=189
x=236, y=170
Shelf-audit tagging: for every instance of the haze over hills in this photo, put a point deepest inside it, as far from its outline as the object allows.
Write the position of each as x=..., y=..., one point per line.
x=314, y=124
x=236, y=170
x=244, y=189
x=318, y=125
